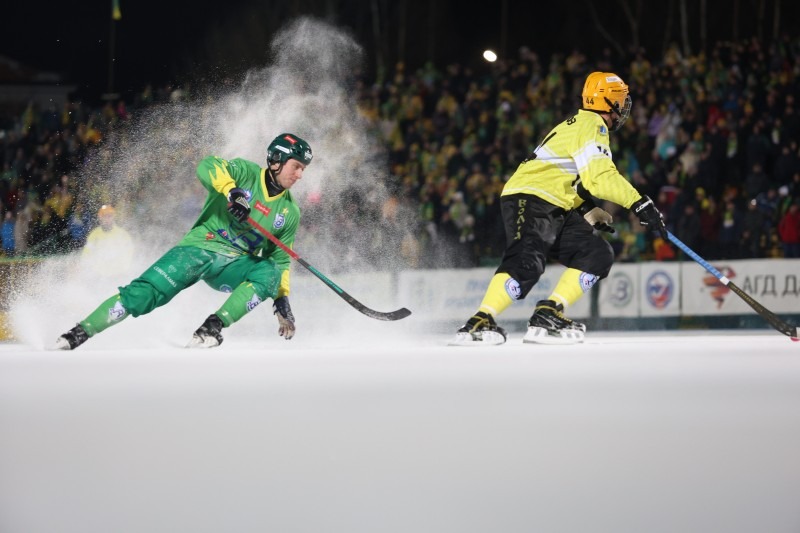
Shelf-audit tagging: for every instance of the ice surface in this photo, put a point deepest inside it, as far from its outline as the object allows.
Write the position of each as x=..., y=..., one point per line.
x=655, y=432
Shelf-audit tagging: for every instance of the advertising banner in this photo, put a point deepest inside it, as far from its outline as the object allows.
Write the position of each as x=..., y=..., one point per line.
x=775, y=283
x=455, y=294
x=619, y=292
x=660, y=289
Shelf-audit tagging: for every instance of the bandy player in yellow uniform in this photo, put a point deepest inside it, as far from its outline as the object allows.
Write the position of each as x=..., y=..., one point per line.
x=548, y=212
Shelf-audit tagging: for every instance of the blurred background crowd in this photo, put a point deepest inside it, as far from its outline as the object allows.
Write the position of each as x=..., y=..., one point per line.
x=713, y=138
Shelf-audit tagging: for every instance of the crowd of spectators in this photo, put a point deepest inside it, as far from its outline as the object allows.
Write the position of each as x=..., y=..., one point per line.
x=712, y=138
x=42, y=207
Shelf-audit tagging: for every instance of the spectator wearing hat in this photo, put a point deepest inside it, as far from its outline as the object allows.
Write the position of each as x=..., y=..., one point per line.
x=109, y=247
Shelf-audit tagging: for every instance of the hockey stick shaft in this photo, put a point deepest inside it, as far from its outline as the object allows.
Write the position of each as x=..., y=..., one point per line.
x=765, y=313
x=392, y=315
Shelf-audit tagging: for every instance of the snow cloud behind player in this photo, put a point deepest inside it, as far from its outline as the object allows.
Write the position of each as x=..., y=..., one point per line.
x=146, y=168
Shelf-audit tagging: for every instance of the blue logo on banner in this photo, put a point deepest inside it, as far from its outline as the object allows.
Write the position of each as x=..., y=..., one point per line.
x=659, y=289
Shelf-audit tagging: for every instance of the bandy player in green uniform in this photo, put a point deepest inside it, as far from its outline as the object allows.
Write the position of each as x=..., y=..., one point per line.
x=222, y=249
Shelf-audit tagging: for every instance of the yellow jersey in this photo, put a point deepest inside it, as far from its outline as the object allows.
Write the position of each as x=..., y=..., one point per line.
x=574, y=152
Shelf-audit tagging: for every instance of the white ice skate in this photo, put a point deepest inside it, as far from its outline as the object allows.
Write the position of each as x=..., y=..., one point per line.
x=71, y=339
x=536, y=335
x=480, y=330
x=209, y=335
x=548, y=325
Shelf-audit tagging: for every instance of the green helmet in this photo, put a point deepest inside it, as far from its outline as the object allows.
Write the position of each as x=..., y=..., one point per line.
x=288, y=146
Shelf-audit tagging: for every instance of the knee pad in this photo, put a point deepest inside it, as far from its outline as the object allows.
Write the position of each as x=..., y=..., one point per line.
x=605, y=258
x=596, y=258
x=524, y=275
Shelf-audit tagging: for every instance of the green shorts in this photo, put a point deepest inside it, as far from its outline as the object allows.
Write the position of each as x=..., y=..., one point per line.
x=183, y=266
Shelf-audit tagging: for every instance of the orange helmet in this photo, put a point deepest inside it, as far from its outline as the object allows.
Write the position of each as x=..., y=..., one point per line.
x=605, y=92
x=106, y=209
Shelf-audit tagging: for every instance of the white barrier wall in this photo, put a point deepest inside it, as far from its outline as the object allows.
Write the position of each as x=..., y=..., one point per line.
x=456, y=294
x=672, y=289
x=641, y=290
x=619, y=292
x=651, y=289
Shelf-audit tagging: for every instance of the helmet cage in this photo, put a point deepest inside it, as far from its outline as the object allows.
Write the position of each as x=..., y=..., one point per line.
x=619, y=116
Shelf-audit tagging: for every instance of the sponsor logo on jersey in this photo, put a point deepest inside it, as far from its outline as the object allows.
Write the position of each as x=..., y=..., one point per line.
x=603, y=130
x=659, y=289
x=513, y=289
x=209, y=235
x=263, y=209
x=280, y=218
x=587, y=280
x=117, y=312
x=166, y=276
x=226, y=288
x=254, y=301
x=248, y=194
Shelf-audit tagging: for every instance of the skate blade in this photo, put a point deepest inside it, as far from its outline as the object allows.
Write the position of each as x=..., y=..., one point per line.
x=485, y=338
x=60, y=344
x=202, y=342
x=543, y=336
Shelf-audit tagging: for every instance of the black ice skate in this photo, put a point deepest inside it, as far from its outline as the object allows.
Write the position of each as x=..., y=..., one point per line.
x=72, y=339
x=480, y=330
x=209, y=335
x=548, y=325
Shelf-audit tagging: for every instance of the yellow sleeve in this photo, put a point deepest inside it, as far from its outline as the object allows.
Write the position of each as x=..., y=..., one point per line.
x=283, y=288
x=213, y=173
x=598, y=173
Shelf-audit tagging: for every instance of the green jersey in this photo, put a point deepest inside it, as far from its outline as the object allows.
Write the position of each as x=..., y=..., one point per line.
x=217, y=231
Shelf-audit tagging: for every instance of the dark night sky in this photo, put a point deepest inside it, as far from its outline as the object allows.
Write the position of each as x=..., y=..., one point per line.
x=157, y=41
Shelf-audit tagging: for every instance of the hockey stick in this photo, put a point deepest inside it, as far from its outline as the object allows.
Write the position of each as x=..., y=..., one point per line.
x=773, y=320
x=393, y=315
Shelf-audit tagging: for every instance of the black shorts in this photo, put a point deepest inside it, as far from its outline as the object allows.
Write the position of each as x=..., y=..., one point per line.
x=537, y=230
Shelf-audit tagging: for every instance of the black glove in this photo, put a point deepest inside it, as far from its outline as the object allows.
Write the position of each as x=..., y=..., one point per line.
x=238, y=206
x=599, y=218
x=283, y=311
x=650, y=216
